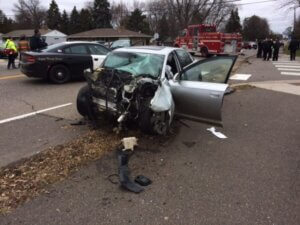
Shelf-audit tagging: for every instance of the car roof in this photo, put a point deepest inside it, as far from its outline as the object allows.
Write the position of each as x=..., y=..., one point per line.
x=79, y=42
x=161, y=50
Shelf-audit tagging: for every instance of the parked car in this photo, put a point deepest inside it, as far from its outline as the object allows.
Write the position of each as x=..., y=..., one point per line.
x=253, y=45
x=120, y=44
x=64, y=61
x=149, y=85
x=2, y=53
x=246, y=45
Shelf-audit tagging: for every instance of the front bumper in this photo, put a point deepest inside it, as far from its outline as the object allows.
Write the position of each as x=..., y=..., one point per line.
x=103, y=106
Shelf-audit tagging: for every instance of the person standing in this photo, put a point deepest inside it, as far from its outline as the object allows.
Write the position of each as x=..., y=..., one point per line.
x=276, y=48
x=293, y=46
x=265, y=49
x=269, y=48
x=23, y=46
x=259, y=49
x=12, y=51
x=36, y=41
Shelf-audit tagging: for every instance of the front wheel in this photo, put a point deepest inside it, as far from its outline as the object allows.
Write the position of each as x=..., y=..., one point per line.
x=154, y=122
x=84, y=103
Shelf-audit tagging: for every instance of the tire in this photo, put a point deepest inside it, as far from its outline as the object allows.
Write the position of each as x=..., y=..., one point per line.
x=204, y=52
x=151, y=126
x=84, y=103
x=59, y=74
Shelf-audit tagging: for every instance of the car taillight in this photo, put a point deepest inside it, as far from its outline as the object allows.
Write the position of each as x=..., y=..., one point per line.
x=28, y=58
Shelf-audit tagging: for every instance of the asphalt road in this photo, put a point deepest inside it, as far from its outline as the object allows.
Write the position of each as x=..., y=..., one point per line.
x=20, y=96
x=252, y=177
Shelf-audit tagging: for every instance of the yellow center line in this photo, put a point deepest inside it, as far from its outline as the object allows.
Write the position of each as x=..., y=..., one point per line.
x=11, y=77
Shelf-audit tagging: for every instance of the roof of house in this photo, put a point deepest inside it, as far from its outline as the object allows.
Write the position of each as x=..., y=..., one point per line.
x=28, y=33
x=108, y=32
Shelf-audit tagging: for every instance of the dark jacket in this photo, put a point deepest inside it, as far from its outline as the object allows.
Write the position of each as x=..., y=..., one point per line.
x=37, y=43
x=276, y=46
x=294, y=45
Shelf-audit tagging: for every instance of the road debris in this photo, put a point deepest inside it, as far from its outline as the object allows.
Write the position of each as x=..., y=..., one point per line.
x=216, y=133
x=124, y=172
x=129, y=143
x=142, y=180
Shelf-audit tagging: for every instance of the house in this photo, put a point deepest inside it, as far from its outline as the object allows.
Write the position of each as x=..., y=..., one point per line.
x=50, y=36
x=110, y=35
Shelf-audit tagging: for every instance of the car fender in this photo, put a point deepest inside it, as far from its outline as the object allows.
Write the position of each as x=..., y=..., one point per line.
x=163, y=100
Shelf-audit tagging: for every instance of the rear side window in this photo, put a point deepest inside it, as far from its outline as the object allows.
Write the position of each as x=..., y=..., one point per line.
x=184, y=58
x=76, y=49
x=98, y=50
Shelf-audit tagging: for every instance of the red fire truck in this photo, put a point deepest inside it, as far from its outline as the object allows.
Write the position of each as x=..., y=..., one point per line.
x=205, y=39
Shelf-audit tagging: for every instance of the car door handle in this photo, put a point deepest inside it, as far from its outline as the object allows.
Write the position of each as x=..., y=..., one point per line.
x=214, y=95
x=96, y=59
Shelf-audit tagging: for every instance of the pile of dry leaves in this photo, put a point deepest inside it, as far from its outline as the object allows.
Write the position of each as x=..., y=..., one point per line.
x=28, y=178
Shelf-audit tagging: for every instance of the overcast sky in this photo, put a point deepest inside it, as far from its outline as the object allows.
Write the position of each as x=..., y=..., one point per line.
x=279, y=19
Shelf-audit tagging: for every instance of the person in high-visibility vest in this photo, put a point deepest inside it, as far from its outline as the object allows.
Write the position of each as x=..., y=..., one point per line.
x=12, y=51
x=23, y=46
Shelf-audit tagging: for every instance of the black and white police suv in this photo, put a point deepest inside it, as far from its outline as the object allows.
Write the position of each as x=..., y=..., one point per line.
x=62, y=62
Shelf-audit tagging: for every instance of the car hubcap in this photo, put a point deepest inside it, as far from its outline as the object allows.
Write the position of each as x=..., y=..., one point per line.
x=60, y=75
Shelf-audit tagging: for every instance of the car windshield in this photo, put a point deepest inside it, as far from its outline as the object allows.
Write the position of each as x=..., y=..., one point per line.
x=51, y=48
x=135, y=63
x=120, y=43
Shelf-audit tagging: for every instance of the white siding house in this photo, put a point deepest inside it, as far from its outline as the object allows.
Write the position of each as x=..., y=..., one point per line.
x=54, y=37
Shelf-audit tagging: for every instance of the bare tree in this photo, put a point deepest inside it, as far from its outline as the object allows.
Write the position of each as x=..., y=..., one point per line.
x=219, y=13
x=155, y=10
x=30, y=13
x=290, y=4
x=118, y=11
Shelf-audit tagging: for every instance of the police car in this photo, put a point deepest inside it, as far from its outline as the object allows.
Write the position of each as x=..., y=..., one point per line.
x=63, y=62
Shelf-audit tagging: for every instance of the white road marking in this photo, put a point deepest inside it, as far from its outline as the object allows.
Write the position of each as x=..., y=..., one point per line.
x=289, y=66
x=240, y=77
x=33, y=113
x=289, y=69
x=292, y=64
x=290, y=73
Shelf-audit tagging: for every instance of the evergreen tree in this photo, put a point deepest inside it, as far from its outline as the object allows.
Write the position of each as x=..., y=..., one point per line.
x=53, y=16
x=234, y=24
x=85, y=18
x=6, y=24
x=74, y=22
x=101, y=14
x=137, y=22
x=64, y=24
